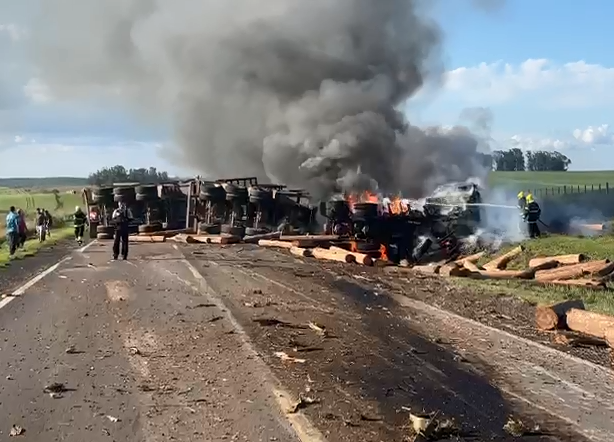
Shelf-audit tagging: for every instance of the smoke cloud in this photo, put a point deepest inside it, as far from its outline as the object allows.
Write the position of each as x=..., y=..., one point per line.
x=306, y=93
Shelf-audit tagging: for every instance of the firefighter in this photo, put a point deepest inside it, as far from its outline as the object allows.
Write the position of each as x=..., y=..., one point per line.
x=532, y=212
x=80, y=220
x=522, y=200
x=121, y=219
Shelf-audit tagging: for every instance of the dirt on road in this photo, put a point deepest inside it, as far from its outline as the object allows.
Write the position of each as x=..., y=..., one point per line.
x=239, y=343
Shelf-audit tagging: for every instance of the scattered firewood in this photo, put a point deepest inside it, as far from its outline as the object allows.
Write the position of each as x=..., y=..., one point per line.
x=590, y=323
x=575, y=271
x=454, y=269
x=470, y=258
x=274, y=243
x=504, y=274
x=253, y=239
x=148, y=238
x=323, y=238
x=592, y=284
x=321, y=253
x=502, y=261
x=551, y=317
x=360, y=258
x=300, y=252
x=561, y=259
x=427, y=269
x=544, y=265
x=471, y=266
x=287, y=358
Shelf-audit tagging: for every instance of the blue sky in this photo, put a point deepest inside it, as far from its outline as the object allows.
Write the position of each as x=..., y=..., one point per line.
x=541, y=67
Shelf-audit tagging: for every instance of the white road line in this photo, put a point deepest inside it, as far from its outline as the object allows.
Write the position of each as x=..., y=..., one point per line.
x=22, y=289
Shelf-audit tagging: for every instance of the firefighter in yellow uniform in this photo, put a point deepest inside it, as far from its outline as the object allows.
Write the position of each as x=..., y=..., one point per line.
x=532, y=213
x=522, y=200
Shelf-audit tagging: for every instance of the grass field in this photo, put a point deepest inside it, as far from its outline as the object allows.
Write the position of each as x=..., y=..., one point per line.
x=595, y=248
x=30, y=201
x=31, y=247
x=538, y=180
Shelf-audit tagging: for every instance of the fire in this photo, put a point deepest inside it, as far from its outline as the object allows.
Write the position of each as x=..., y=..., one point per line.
x=397, y=206
x=383, y=253
x=364, y=197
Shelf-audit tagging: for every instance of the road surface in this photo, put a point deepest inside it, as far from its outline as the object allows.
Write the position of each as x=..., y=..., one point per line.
x=209, y=343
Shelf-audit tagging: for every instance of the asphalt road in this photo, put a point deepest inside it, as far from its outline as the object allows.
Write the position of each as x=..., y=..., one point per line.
x=141, y=355
x=180, y=343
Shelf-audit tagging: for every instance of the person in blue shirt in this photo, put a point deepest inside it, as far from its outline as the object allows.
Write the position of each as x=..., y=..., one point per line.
x=12, y=230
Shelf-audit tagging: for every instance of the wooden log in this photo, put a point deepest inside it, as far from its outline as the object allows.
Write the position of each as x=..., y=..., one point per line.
x=360, y=258
x=321, y=253
x=253, y=239
x=592, y=284
x=502, y=261
x=167, y=233
x=151, y=239
x=504, y=274
x=609, y=336
x=273, y=243
x=181, y=238
x=590, y=323
x=302, y=253
x=309, y=237
x=552, y=317
x=595, y=268
x=453, y=269
x=470, y=258
x=308, y=243
x=545, y=265
x=561, y=259
x=471, y=266
x=223, y=239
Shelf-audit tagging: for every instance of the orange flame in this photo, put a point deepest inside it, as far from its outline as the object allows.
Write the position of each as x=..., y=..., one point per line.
x=397, y=206
x=383, y=253
x=364, y=197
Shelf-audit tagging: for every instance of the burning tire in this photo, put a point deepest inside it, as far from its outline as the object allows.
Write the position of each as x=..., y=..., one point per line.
x=231, y=230
x=210, y=229
x=367, y=247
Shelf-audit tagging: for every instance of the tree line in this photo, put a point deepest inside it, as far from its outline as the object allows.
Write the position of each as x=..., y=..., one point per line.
x=119, y=174
x=533, y=161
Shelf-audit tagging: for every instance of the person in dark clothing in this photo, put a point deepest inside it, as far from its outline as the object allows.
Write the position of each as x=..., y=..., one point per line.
x=48, y=222
x=40, y=225
x=532, y=213
x=121, y=219
x=80, y=220
x=23, y=228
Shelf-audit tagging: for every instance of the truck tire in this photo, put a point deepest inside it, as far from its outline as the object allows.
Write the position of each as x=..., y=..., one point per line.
x=104, y=236
x=209, y=229
x=212, y=193
x=105, y=229
x=103, y=195
x=150, y=228
x=231, y=230
x=258, y=195
x=146, y=197
x=249, y=231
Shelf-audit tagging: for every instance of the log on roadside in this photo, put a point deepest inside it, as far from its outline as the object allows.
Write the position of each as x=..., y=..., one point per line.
x=309, y=237
x=469, y=258
x=308, y=243
x=150, y=239
x=167, y=233
x=471, y=266
x=453, y=269
x=594, y=268
x=502, y=261
x=253, y=239
x=214, y=239
x=590, y=323
x=183, y=238
x=274, y=243
x=427, y=269
x=360, y=258
x=321, y=253
x=591, y=284
x=504, y=274
x=302, y=253
x=552, y=317
x=560, y=259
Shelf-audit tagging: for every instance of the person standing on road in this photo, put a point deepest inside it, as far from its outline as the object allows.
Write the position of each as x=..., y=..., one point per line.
x=121, y=219
x=40, y=225
x=48, y=222
x=23, y=228
x=80, y=220
x=12, y=230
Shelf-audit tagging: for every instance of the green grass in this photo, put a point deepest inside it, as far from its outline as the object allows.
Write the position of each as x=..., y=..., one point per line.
x=539, y=180
x=32, y=246
x=30, y=201
x=594, y=248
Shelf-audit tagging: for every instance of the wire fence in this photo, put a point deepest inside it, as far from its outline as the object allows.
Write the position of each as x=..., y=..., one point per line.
x=604, y=188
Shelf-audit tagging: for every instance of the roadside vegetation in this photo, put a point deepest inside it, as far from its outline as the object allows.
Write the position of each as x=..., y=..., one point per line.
x=33, y=246
x=595, y=248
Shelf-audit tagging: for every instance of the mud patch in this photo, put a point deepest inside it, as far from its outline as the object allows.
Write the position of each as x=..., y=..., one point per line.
x=117, y=291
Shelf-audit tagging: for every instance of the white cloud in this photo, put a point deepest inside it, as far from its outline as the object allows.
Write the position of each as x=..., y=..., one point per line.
x=37, y=91
x=595, y=135
x=15, y=32
x=19, y=139
x=575, y=84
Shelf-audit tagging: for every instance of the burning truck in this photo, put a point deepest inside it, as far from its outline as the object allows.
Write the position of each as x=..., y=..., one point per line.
x=404, y=229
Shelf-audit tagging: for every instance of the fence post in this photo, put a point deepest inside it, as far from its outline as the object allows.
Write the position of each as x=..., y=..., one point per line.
x=558, y=190
x=599, y=187
x=607, y=187
x=565, y=189
x=585, y=188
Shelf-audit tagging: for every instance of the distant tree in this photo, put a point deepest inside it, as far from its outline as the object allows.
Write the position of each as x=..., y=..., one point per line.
x=116, y=174
x=509, y=160
x=539, y=161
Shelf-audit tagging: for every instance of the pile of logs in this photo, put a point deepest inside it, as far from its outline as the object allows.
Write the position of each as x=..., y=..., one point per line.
x=571, y=315
x=562, y=270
